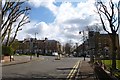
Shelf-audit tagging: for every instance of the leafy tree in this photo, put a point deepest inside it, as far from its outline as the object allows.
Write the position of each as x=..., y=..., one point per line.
x=15, y=45
x=109, y=14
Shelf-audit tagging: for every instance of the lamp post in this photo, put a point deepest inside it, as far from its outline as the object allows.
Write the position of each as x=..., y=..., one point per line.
x=35, y=35
x=35, y=45
x=84, y=54
x=31, y=48
x=45, y=45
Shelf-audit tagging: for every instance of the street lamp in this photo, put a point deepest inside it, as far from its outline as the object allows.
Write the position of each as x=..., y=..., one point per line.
x=35, y=35
x=31, y=48
x=35, y=45
x=84, y=55
x=83, y=40
x=45, y=45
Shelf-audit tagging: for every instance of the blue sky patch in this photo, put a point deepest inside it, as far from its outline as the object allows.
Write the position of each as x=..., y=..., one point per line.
x=42, y=14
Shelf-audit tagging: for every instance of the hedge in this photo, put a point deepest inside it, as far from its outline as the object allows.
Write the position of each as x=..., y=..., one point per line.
x=7, y=50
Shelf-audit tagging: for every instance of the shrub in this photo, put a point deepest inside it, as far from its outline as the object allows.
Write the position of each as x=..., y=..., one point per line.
x=7, y=51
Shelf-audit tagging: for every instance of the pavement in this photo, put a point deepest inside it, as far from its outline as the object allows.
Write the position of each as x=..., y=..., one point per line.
x=85, y=71
x=22, y=59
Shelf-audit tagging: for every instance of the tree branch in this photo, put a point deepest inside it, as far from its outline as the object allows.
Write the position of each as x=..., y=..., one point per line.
x=8, y=36
x=13, y=15
x=102, y=22
x=11, y=12
x=118, y=16
x=21, y=23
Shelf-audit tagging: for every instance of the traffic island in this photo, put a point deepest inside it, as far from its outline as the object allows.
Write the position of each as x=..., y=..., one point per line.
x=58, y=58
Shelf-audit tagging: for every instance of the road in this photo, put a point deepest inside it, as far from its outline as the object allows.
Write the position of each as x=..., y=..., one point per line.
x=49, y=68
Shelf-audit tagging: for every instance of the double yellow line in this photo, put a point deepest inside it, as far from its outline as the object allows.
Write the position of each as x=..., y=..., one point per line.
x=73, y=71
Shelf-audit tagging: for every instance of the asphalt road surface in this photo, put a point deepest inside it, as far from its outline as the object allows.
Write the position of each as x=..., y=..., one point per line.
x=48, y=69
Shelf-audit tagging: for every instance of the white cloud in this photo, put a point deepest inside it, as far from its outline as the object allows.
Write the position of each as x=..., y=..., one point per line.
x=68, y=22
x=23, y=33
x=65, y=13
x=35, y=3
x=48, y=4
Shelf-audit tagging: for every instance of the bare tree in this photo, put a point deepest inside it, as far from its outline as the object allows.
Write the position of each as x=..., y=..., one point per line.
x=14, y=16
x=96, y=28
x=112, y=18
x=0, y=33
x=0, y=18
x=67, y=48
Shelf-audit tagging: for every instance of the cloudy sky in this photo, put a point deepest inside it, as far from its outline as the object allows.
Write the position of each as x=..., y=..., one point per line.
x=59, y=19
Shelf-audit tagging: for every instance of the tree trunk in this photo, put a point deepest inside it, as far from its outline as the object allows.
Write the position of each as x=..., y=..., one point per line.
x=113, y=36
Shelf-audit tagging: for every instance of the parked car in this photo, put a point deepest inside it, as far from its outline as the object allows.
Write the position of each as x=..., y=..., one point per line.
x=88, y=56
x=55, y=54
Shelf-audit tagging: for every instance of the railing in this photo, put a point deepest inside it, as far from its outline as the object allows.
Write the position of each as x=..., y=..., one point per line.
x=101, y=74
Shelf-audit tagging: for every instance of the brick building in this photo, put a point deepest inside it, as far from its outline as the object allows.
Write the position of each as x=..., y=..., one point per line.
x=39, y=46
x=99, y=44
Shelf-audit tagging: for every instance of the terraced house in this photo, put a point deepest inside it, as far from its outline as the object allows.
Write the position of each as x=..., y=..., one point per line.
x=46, y=47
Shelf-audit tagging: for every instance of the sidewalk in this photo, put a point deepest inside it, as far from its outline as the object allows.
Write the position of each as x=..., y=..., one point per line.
x=21, y=59
x=86, y=72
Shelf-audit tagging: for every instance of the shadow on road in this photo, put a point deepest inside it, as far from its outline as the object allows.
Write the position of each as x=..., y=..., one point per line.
x=32, y=77
x=65, y=68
